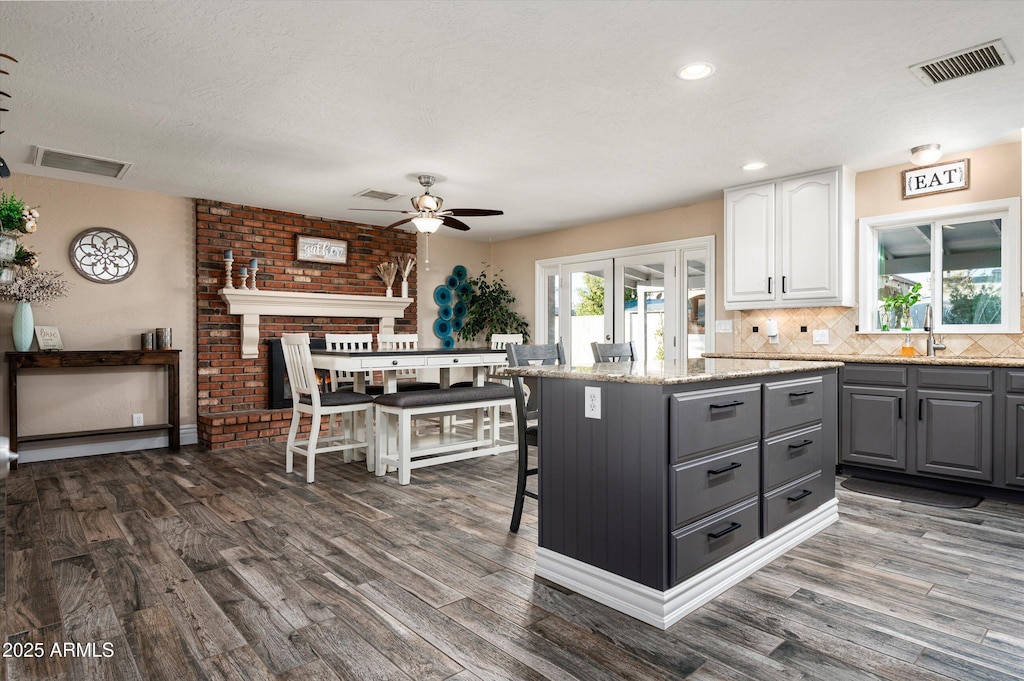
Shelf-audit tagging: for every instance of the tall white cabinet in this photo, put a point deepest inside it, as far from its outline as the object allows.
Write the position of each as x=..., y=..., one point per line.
x=789, y=243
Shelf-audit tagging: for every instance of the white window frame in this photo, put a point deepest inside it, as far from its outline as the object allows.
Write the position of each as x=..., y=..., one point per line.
x=548, y=266
x=1006, y=209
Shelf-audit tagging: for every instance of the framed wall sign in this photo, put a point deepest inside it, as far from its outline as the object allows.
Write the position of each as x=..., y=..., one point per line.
x=320, y=250
x=951, y=176
x=48, y=338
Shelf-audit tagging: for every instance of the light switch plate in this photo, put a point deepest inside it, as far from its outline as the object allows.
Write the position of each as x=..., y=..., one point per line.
x=592, y=402
x=723, y=326
x=819, y=337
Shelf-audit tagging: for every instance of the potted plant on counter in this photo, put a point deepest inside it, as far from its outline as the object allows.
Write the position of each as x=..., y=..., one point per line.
x=896, y=308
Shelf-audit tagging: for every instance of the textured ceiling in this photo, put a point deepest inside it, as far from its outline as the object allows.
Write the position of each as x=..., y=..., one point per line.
x=559, y=113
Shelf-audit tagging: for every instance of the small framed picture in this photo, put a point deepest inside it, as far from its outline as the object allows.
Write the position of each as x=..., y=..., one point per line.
x=48, y=338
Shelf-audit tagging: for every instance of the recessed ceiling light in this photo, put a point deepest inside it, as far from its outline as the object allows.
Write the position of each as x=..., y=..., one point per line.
x=755, y=165
x=698, y=70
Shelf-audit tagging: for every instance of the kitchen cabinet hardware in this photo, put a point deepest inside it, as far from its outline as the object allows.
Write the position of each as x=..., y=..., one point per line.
x=721, y=533
x=802, y=393
x=801, y=445
x=798, y=497
x=725, y=469
x=726, y=405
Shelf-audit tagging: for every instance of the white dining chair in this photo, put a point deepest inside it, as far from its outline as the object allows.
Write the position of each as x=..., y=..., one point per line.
x=407, y=378
x=346, y=341
x=307, y=399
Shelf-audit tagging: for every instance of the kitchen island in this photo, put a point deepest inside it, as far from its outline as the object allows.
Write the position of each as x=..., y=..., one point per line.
x=660, y=488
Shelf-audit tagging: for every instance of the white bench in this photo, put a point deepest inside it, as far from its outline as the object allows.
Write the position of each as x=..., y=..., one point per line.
x=398, y=445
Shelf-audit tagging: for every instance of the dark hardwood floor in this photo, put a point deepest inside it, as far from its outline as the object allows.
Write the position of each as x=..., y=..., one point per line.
x=217, y=565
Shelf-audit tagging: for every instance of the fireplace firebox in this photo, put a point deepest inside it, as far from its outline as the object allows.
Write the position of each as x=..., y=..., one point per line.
x=279, y=391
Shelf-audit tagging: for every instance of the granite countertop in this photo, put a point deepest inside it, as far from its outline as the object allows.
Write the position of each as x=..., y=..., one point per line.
x=694, y=371
x=880, y=359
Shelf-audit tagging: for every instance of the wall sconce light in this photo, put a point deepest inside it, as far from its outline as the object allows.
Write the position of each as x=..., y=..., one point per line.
x=925, y=154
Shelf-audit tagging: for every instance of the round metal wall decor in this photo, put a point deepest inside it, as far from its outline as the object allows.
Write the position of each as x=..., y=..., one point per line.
x=103, y=255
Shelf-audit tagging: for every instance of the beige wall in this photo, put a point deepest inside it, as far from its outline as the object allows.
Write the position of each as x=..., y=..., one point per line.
x=161, y=292
x=517, y=257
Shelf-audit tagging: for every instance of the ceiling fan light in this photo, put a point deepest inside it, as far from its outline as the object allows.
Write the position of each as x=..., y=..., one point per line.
x=925, y=154
x=427, y=225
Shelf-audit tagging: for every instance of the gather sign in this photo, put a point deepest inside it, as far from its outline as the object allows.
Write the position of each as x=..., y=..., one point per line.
x=320, y=250
x=951, y=176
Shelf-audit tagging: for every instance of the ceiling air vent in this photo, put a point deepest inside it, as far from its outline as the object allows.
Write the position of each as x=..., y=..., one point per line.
x=963, y=63
x=65, y=160
x=377, y=195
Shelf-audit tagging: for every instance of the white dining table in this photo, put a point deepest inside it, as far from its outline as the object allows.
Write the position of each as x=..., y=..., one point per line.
x=390, y=362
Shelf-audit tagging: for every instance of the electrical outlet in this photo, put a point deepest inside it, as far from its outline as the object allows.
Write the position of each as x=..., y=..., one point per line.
x=723, y=326
x=592, y=402
x=819, y=337
x=137, y=420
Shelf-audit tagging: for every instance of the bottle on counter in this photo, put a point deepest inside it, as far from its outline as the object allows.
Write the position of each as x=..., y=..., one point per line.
x=908, y=348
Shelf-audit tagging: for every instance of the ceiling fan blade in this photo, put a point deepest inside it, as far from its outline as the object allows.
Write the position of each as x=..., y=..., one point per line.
x=400, y=222
x=449, y=221
x=468, y=212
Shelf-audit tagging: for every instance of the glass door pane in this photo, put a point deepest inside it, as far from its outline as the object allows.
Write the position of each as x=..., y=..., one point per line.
x=645, y=306
x=698, y=310
x=583, y=295
x=551, y=284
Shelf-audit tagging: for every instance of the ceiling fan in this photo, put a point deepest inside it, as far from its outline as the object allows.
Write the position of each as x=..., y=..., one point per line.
x=427, y=215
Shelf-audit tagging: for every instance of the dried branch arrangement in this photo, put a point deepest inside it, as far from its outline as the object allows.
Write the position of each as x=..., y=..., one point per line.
x=406, y=263
x=387, y=271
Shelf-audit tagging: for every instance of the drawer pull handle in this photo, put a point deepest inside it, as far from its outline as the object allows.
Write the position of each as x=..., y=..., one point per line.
x=802, y=393
x=801, y=445
x=725, y=469
x=899, y=402
x=726, y=405
x=394, y=362
x=718, y=535
x=920, y=410
x=798, y=497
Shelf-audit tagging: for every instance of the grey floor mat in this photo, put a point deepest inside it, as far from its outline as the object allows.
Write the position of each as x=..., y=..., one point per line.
x=916, y=495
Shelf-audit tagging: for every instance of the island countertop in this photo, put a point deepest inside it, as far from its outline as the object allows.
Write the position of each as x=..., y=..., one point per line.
x=673, y=373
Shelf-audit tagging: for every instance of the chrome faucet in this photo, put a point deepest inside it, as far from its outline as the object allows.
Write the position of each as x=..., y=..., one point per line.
x=932, y=345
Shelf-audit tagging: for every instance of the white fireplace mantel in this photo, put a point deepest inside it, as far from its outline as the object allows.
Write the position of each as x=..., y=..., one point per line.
x=251, y=304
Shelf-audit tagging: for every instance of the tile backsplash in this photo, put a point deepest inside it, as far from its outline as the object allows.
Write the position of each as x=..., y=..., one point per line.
x=841, y=323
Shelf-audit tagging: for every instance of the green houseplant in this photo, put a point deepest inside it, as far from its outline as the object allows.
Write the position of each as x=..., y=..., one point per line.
x=896, y=307
x=489, y=309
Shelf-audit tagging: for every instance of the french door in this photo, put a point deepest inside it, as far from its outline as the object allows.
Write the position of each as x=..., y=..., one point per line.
x=646, y=305
x=583, y=315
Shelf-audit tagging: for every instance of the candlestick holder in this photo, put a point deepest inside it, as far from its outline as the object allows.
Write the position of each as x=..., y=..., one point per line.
x=252, y=287
x=227, y=273
x=244, y=273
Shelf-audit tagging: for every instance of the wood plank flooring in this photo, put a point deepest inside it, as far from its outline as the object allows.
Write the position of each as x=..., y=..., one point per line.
x=217, y=565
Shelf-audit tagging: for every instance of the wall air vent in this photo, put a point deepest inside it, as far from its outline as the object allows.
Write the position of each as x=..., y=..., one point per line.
x=65, y=160
x=377, y=195
x=964, y=63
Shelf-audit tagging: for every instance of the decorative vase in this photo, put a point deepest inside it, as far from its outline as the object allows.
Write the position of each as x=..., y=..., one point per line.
x=23, y=326
x=405, y=289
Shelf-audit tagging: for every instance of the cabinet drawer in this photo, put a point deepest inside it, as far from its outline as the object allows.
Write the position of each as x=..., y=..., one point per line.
x=707, y=485
x=1015, y=381
x=93, y=359
x=957, y=378
x=703, y=544
x=791, y=404
x=452, y=361
x=393, y=362
x=874, y=374
x=788, y=503
x=705, y=420
x=792, y=456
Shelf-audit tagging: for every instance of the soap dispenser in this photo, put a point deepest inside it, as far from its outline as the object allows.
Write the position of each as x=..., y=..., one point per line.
x=908, y=349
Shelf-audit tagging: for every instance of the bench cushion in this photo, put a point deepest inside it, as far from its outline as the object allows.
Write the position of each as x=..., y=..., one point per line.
x=338, y=399
x=429, y=398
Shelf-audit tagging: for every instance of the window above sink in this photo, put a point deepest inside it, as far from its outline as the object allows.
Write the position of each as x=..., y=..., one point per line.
x=966, y=258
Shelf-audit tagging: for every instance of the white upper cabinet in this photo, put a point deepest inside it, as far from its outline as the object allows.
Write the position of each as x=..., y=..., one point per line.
x=789, y=243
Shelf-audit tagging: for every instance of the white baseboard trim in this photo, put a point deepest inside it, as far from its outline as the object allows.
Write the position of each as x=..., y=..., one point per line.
x=94, y=445
x=662, y=609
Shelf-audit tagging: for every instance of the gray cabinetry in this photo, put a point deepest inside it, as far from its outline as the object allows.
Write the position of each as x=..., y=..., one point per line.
x=954, y=434
x=874, y=428
x=935, y=421
x=1014, y=461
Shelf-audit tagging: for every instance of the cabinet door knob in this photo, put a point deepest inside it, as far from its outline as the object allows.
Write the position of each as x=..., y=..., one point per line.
x=455, y=361
x=394, y=362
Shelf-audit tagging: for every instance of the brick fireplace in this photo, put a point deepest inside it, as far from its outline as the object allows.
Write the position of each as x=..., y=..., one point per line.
x=232, y=392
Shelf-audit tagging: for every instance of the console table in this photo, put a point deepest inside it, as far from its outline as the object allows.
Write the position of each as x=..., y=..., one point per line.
x=95, y=359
